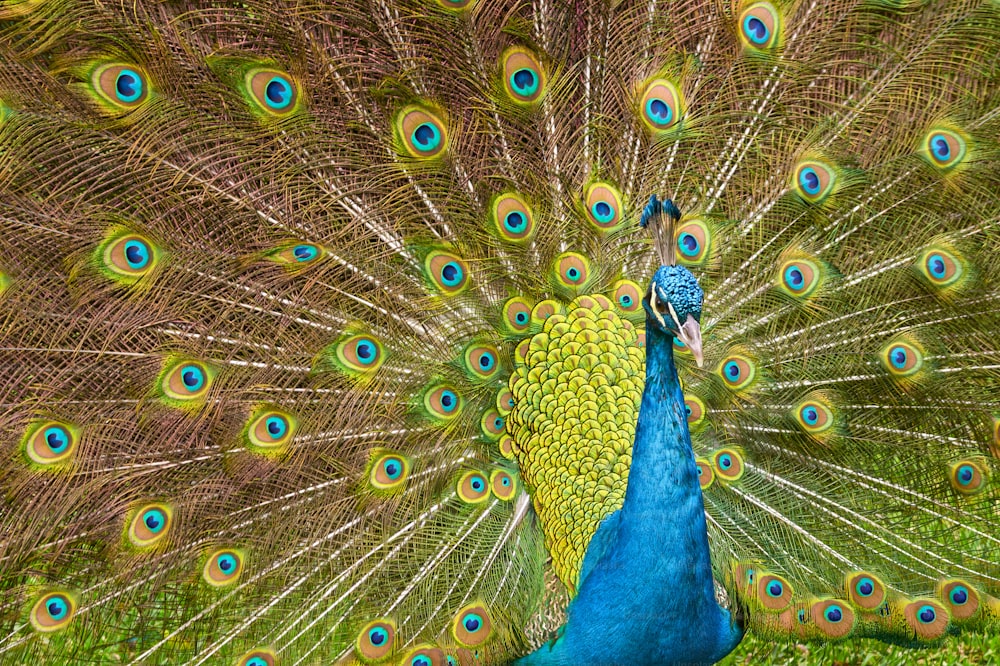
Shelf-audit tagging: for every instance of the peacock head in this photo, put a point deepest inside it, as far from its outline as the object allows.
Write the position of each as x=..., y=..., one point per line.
x=673, y=300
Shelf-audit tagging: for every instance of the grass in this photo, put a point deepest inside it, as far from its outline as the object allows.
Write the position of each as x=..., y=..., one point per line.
x=969, y=649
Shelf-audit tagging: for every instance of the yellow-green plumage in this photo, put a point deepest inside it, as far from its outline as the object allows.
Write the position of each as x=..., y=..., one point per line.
x=321, y=326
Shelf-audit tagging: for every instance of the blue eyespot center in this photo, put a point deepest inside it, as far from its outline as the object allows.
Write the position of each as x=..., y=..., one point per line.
x=498, y=423
x=940, y=147
x=834, y=614
x=57, y=608
x=393, y=469
x=865, y=587
x=965, y=474
x=732, y=369
x=775, y=589
x=256, y=661
x=794, y=278
x=505, y=481
x=603, y=212
x=959, y=595
x=304, y=252
x=426, y=137
x=625, y=300
x=377, y=636
x=477, y=484
x=276, y=427
x=57, y=439
x=226, y=563
x=278, y=92
x=658, y=111
x=154, y=520
x=449, y=400
x=366, y=351
x=192, y=377
x=725, y=461
x=136, y=254
x=515, y=222
x=521, y=317
x=472, y=622
x=451, y=274
x=898, y=356
x=809, y=180
x=524, y=82
x=810, y=415
x=420, y=660
x=128, y=86
x=755, y=30
x=573, y=274
x=688, y=244
x=487, y=361
x=926, y=614
x=936, y=266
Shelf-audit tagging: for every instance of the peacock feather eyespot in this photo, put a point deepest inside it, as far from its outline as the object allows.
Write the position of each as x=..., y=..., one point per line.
x=119, y=87
x=421, y=132
x=269, y=429
x=968, y=477
x=833, y=617
x=661, y=105
x=50, y=444
x=738, y=372
x=505, y=401
x=442, y=402
x=472, y=626
x=523, y=76
x=297, y=255
x=944, y=148
x=387, y=470
x=446, y=272
x=512, y=218
x=148, y=524
x=473, y=487
x=627, y=297
x=773, y=592
x=222, y=567
x=815, y=416
x=928, y=618
x=760, y=26
x=481, y=361
x=492, y=425
x=503, y=484
x=125, y=257
x=571, y=271
x=360, y=354
x=516, y=314
x=961, y=599
x=272, y=91
x=813, y=180
x=602, y=204
x=423, y=655
x=695, y=410
x=543, y=310
x=942, y=268
x=259, y=657
x=185, y=382
x=693, y=242
x=706, y=475
x=902, y=358
x=799, y=278
x=728, y=464
x=865, y=590
x=53, y=611
x=376, y=640
x=506, y=445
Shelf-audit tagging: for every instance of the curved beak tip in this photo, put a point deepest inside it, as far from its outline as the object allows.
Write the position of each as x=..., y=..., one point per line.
x=690, y=335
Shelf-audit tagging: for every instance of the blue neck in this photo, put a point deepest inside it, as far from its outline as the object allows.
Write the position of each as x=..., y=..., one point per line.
x=648, y=596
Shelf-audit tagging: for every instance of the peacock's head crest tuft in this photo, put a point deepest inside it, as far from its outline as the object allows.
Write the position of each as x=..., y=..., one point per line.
x=673, y=300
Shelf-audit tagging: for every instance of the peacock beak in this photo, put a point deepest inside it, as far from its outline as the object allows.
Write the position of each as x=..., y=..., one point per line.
x=690, y=335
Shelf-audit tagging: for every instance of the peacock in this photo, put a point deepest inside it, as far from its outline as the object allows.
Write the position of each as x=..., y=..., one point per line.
x=433, y=332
